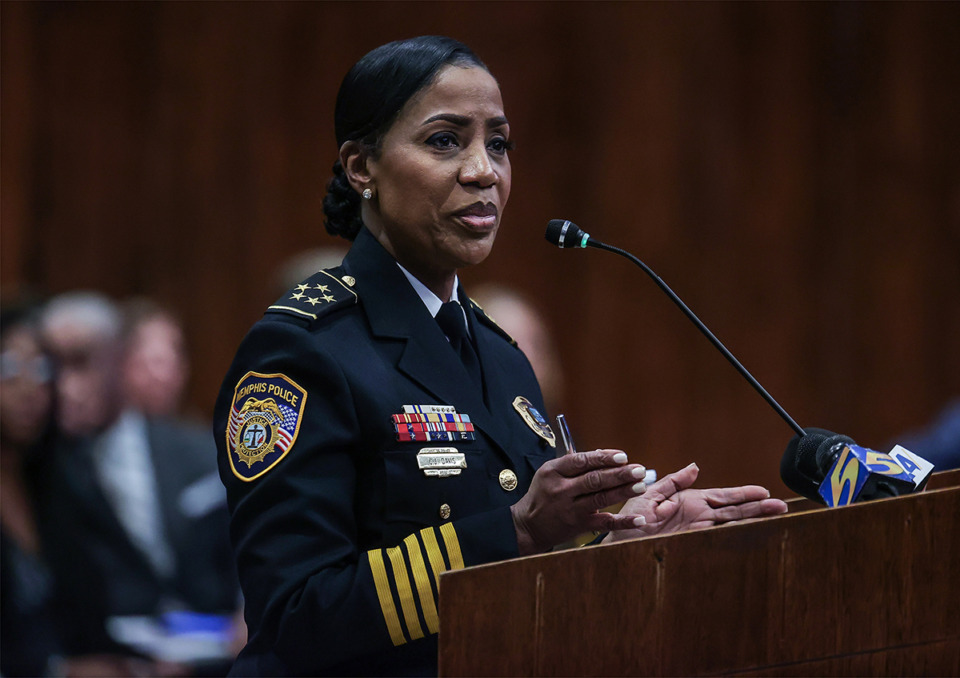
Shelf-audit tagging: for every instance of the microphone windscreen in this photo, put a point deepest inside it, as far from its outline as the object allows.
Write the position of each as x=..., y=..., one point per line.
x=799, y=468
x=827, y=452
x=563, y=233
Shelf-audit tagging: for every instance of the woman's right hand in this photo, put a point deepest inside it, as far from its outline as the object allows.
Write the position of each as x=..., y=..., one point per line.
x=568, y=494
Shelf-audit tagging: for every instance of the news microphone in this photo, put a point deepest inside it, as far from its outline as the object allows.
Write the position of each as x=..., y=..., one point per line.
x=799, y=469
x=832, y=469
x=566, y=234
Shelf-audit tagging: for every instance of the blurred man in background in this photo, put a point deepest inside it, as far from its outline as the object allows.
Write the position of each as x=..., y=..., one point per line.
x=130, y=508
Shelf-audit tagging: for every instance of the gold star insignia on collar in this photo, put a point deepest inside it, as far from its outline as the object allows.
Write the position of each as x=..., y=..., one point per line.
x=298, y=296
x=313, y=301
x=302, y=287
x=327, y=298
x=322, y=288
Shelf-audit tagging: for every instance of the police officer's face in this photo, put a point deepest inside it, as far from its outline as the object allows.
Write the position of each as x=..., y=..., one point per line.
x=442, y=176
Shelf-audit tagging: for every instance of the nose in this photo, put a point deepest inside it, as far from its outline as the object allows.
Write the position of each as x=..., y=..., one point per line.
x=477, y=167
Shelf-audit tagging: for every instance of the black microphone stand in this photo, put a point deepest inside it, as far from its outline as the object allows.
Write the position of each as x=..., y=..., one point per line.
x=591, y=242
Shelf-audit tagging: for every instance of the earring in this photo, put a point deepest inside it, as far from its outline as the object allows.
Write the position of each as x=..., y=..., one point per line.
x=367, y=194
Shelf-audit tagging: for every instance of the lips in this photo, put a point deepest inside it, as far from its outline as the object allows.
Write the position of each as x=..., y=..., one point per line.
x=479, y=215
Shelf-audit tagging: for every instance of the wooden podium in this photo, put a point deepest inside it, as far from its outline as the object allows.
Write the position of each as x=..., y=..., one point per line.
x=869, y=589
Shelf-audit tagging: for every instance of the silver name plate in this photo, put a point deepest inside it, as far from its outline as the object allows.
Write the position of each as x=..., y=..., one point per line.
x=441, y=462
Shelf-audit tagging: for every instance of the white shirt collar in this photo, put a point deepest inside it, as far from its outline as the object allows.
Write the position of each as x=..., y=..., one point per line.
x=431, y=300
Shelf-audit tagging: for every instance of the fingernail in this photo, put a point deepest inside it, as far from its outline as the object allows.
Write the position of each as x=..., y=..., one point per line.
x=620, y=457
x=639, y=520
x=639, y=472
x=694, y=465
x=639, y=488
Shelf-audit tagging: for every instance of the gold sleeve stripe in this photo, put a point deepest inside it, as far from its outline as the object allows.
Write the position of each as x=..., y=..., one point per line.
x=402, y=581
x=422, y=580
x=450, y=540
x=386, y=599
x=434, y=555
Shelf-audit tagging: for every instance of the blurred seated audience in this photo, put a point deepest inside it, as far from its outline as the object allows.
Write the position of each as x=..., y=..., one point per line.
x=130, y=507
x=29, y=643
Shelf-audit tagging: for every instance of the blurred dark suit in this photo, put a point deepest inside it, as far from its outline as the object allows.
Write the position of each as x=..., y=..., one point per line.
x=99, y=570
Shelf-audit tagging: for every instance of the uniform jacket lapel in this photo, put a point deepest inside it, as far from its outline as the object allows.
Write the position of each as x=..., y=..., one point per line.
x=501, y=410
x=395, y=312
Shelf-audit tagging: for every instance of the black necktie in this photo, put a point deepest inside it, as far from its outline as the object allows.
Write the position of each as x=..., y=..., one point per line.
x=453, y=323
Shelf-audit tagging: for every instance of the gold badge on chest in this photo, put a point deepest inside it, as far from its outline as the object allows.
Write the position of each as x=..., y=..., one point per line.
x=534, y=419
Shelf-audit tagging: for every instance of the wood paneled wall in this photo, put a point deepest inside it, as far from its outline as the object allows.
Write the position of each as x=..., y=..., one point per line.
x=791, y=170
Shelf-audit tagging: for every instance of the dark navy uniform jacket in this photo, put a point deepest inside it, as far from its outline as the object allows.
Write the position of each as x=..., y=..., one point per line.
x=340, y=536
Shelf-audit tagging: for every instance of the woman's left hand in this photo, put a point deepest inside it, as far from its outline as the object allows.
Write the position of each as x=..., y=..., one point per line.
x=670, y=505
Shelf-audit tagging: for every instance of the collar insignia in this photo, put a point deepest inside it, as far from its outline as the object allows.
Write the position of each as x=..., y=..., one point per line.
x=534, y=420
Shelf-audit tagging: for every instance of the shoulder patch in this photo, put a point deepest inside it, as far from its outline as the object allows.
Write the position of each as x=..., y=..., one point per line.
x=265, y=418
x=490, y=322
x=319, y=294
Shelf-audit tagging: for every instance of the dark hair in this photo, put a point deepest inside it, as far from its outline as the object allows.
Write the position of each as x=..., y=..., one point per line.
x=370, y=98
x=18, y=313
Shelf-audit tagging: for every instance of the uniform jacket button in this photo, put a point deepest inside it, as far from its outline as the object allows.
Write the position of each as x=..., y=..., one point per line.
x=444, y=511
x=508, y=479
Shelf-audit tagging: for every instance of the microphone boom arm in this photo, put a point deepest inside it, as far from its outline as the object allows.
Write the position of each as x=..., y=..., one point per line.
x=591, y=242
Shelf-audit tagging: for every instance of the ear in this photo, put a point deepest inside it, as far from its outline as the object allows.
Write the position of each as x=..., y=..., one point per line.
x=355, y=161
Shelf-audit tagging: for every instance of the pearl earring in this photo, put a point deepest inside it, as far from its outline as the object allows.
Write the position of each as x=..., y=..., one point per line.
x=367, y=194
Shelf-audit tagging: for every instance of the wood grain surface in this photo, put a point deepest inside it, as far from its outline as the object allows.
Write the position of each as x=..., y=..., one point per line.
x=868, y=589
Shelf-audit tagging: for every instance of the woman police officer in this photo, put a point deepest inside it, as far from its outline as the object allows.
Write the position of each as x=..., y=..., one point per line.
x=376, y=428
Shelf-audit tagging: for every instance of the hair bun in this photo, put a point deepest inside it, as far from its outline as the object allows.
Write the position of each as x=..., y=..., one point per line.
x=341, y=206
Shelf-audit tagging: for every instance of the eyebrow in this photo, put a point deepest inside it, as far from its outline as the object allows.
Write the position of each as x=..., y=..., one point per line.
x=463, y=121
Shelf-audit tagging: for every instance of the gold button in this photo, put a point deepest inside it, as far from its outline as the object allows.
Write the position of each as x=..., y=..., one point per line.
x=350, y=280
x=508, y=480
x=444, y=511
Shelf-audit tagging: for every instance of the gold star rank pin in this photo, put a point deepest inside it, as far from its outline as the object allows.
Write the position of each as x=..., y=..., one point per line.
x=316, y=296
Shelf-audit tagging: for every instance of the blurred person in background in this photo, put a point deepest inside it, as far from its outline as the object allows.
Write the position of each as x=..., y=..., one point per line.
x=29, y=643
x=130, y=507
x=156, y=366
x=938, y=441
x=302, y=265
x=522, y=321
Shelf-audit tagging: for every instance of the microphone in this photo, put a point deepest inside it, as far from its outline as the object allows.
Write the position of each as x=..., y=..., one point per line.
x=799, y=469
x=832, y=469
x=566, y=234
x=820, y=465
x=853, y=473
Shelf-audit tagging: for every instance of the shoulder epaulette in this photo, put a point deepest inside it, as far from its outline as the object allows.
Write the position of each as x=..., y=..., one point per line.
x=318, y=295
x=489, y=322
